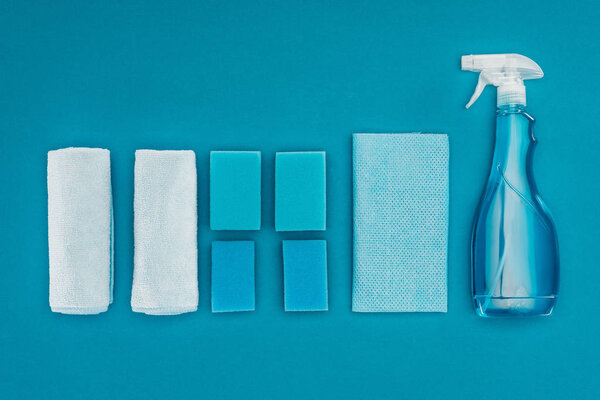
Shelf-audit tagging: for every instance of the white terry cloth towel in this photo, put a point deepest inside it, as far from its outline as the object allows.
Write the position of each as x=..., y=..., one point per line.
x=165, y=276
x=80, y=230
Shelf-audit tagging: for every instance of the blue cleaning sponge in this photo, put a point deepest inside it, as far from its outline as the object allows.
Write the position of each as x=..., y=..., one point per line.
x=235, y=190
x=305, y=275
x=300, y=191
x=232, y=276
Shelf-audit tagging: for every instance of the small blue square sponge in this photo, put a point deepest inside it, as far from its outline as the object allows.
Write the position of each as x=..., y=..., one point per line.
x=305, y=275
x=233, y=276
x=300, y=191
x=235, y=190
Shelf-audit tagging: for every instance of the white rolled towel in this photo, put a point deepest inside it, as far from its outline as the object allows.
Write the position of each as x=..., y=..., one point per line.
x=80, y=230
x=165, y=277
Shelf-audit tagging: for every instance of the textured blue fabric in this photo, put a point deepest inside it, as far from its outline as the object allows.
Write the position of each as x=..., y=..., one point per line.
x=305, y=275
x=400, y=222
x=235, y=190
x=233, y=276
x=300, y=191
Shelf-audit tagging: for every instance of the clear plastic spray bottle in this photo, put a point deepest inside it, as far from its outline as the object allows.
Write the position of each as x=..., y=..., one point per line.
x=514, y=253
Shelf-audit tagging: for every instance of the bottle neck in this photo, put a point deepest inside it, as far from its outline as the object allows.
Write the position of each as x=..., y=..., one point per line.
x=514, y=145
x=510, y=109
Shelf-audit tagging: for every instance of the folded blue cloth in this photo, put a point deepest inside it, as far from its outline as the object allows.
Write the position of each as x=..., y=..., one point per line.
x=400, y=222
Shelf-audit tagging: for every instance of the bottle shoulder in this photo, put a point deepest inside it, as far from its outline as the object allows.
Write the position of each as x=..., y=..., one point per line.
x=502, y=193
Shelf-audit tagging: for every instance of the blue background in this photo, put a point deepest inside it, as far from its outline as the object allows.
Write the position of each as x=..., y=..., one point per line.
x=292, y=75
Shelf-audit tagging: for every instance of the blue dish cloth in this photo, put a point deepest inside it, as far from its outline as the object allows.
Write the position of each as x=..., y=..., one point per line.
x=232, y=276
x=400, y=192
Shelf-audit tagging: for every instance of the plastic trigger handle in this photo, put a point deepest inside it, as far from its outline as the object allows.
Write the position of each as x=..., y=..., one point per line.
x=481, y=84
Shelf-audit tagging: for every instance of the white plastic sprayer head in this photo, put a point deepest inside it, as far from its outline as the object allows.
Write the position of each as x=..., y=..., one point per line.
x=505, y=71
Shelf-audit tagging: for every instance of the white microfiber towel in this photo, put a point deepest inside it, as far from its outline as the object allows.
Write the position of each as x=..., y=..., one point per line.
x=165, y=276
x=80, y=230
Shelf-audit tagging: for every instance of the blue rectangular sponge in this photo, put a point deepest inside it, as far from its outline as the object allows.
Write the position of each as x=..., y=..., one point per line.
x=400, y=187
x=300, y=197
x=233, y=276
x=235, y=190
x=305, y=275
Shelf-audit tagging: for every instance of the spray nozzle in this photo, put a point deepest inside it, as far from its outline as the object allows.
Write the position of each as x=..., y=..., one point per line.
x=505, y=71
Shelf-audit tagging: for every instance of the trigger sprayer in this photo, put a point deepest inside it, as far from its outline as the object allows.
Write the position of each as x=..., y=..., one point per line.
x=514, y=247
x=505, y=71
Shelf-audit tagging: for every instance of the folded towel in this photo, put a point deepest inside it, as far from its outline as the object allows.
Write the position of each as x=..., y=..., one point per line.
x=165, y=276
x=400, y=222
x=80, y=230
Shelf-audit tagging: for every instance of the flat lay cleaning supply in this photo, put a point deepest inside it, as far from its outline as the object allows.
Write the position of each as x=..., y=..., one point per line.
x=165, y=276
x=305, y=275
x=400, y=191
x=300, y=191
x=232, y=276
x=80, y=230
x=514, y=252
x=235, y=190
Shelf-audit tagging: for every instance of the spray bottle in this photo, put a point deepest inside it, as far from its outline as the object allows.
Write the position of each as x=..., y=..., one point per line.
x=514, y=249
